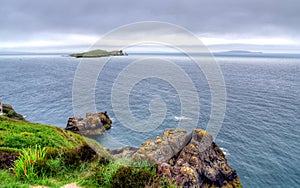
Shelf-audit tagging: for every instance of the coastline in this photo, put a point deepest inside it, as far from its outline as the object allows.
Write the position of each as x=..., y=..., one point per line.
x=73, y=150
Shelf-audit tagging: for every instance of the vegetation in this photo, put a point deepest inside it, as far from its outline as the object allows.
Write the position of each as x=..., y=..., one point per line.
x=22, y=134
x=10, y=112
x=25, y=166
x=98, y=53
x=128, y=176
x=36, y=154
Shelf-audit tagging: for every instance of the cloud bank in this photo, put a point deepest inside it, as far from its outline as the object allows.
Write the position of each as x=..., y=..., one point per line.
x=217, y=22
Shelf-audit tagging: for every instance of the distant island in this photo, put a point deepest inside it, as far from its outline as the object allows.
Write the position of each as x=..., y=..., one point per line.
x=98, y=53
x=241, y=52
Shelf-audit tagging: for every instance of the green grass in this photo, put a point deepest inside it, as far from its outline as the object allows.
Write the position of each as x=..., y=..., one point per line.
x=21, y=134
x=91, y=174
x=49, y=156
x=30, y=142
x=24, y=167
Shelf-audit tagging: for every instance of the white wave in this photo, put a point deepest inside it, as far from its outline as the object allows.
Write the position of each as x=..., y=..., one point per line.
x=225, y=151
x=179, y=118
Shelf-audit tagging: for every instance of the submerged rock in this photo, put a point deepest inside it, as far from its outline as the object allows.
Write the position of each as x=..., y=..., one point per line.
x=192, y=160
x=92, y=126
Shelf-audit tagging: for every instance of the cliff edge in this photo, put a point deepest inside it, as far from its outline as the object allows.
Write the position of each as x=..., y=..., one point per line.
x=191, y=160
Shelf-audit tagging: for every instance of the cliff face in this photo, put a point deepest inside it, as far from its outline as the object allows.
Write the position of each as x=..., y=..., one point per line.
x=183, y=158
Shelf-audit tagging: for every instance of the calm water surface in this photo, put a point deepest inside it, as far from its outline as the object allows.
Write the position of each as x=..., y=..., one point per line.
x=261, y=130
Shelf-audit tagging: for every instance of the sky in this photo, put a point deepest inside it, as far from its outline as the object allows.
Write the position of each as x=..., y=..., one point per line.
x=60, y=25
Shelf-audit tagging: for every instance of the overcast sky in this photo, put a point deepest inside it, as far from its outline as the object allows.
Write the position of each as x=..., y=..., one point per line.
x=220, y=24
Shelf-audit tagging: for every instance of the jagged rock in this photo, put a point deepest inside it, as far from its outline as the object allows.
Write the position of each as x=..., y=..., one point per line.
x=192, y=160
x=93, y=126
x=164, y=147
x=201, y=163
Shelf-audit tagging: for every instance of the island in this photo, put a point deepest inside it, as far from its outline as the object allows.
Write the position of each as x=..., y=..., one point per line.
x=98, y=53
x=239, y=53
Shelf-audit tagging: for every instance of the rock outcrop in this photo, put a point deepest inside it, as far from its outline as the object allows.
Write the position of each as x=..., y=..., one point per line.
x=92, y=126
x=191, y=160
x=164, y=147
x=11, y=113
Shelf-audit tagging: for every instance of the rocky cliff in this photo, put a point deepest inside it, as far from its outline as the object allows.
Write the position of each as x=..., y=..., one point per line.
x=185, y=159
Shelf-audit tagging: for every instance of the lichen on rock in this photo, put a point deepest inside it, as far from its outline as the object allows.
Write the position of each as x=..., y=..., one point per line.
x=164, y=147
x=192, y=160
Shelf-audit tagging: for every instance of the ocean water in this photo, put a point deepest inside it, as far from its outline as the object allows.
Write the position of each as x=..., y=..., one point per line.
x=260, y=133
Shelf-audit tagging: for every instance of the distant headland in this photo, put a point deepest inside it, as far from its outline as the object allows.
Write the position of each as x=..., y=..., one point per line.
x=98, y=53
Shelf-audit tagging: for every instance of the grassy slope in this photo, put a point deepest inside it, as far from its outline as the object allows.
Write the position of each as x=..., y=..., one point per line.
x=16, y=135
x=102, y=171
x=21, y=134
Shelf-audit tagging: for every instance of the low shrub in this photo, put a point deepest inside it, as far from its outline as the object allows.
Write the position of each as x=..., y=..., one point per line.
x=103, y=161
x=163, y=182
x=10, y=113
x=86, y=153
x=128, y=176
x=8, y=157
x=70, y=158
x=52, y=153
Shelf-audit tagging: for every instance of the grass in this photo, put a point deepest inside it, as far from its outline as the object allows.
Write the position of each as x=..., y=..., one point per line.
x=90, y=174
x=21, y=134
x=24, y=167
x=49, y=156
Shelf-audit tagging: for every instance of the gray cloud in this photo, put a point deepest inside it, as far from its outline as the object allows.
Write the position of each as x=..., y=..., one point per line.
x=24, y=20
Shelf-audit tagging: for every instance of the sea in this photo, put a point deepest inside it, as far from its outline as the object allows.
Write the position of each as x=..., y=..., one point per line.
x=260, y=131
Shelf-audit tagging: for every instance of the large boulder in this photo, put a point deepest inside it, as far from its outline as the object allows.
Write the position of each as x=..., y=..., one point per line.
x=92, y=126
